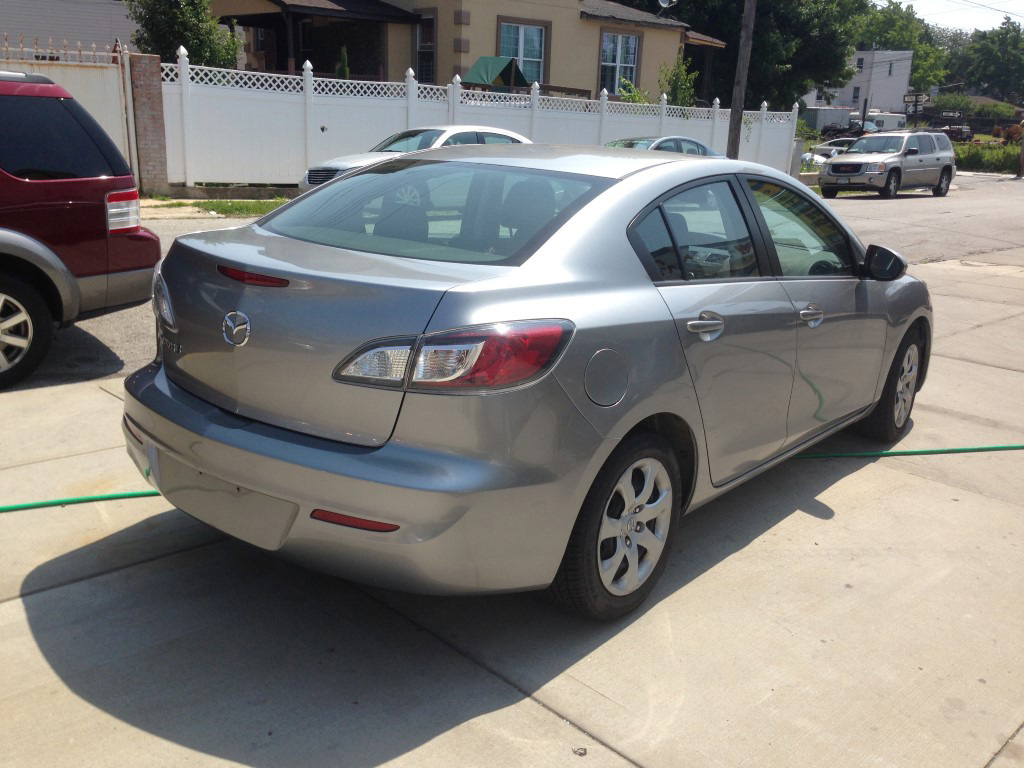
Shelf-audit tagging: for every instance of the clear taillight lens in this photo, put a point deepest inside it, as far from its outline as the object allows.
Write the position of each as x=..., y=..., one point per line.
x=123, y=212
x=162, y=303
x=485, y=357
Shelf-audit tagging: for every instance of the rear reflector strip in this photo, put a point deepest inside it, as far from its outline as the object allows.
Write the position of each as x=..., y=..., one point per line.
x=252, y=278
x=352, y=522
x=123, y=213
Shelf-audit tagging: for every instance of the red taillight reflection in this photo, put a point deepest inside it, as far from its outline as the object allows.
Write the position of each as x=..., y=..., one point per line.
x=352, y=522
x=252, y=278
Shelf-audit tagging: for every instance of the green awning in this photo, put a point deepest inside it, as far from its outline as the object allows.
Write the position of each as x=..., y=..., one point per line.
x=501, y=71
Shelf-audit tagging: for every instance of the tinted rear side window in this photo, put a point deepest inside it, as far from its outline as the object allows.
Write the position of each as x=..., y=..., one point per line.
x=442, y=211
x=45, y=138
x=943, y=141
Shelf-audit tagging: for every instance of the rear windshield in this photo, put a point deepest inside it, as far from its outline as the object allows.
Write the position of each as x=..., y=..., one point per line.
x=45, y=138
x=868, y=144
x=442, y=211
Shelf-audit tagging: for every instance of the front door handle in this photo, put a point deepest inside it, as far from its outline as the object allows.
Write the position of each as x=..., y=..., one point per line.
x=813, y=315
x=708, y=326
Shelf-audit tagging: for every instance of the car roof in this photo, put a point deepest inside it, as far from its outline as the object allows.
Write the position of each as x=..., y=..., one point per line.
x=607, y=162
x=459, y=127
x=28, y=84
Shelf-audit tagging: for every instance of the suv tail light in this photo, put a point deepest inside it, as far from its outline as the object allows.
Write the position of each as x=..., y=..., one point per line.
x=486, y=357
x=123, y=212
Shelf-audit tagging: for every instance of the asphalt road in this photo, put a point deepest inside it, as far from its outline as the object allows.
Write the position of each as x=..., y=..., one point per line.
x=982, y=216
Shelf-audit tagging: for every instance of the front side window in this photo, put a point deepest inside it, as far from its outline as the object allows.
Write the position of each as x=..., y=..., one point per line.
x=525, y=44
x=692, y=148
x=440, y=211
x=807, y=241
x=618, y=59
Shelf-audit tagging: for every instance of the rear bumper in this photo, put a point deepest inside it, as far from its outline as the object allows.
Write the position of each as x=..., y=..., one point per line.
x=467, y=523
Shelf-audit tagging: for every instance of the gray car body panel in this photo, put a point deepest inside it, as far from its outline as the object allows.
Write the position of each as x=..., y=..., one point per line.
x=486, y=488
x=19, y=246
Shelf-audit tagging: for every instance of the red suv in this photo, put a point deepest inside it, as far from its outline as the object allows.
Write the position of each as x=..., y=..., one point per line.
x=71, y=244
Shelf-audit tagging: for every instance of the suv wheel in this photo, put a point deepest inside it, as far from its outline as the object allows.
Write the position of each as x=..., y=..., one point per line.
x=940, y=189
x=829, y=192
x=25, y=330
x=892, y=185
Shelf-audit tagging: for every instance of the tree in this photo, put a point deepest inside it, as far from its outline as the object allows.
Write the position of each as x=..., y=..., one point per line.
x=798, y=44
x=166, y=24
x=996, y=61
x=953, y=43
x=677, y=83
x=896, y=27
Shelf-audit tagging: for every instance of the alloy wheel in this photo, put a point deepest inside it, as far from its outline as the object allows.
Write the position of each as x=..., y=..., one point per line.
x=634, y=526
x=15, y=332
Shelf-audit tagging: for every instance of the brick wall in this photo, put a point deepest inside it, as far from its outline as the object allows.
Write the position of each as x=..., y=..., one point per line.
x=149, y=123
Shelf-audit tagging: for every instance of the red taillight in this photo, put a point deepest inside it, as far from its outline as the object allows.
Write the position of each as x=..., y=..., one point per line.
x=252, y=278
x=352, y=522
x=123, y=213
x=490, y=357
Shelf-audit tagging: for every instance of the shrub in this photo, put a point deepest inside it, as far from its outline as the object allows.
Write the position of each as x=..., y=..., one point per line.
x=631, y=94
x=991, y=158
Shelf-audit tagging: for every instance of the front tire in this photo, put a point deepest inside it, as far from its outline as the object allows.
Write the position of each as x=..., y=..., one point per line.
x=892, y=186
x=828, y=193
x=25, y=330
x=890, y=419
x=623, y=535
x=940, y=189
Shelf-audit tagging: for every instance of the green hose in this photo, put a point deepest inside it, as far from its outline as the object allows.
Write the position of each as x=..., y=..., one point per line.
x=78, y=500
x=864, y=455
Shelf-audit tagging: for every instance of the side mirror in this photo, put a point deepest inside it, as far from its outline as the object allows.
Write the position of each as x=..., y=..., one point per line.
x=912, y=151
x=881, y=263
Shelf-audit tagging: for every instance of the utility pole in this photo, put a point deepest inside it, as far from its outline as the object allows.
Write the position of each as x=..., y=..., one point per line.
x=739, y=87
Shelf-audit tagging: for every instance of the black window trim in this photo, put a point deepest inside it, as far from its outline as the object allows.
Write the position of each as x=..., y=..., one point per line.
x=855, y=249
x=764, y=265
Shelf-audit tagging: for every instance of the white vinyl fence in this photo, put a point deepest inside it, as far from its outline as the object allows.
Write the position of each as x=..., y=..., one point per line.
x=94, y=77
x=240, y=127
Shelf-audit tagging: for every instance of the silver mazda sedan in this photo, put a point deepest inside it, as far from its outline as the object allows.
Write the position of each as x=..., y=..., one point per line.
x=524, y=379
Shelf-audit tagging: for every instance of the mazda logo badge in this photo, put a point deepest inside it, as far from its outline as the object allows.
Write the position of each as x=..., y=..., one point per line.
x=236, y=328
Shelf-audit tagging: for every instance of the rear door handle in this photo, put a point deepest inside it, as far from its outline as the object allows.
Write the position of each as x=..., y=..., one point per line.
x=813, y=315
x=708, y=326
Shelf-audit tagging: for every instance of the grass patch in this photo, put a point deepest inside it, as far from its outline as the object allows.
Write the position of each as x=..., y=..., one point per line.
x=240, y=209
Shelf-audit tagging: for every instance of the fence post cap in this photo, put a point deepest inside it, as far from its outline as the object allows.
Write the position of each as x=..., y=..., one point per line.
x=764, y=106
x=664, y=99
x=182, y=52
x=409, y=73
x=535, y=87
x=307, y=66
x=716, y=102
x=457, y=80
x=604, y=93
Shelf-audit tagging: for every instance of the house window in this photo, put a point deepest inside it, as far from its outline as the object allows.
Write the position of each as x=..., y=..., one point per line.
x=860, y=64
x=425, y=69
x=525, y=44
x=856, y=94
x=306, y=36
x=259, y=40
x=618, y=59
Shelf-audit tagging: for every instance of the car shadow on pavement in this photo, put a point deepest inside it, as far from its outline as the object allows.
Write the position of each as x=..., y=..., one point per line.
x=75, y=355
x=229, y=651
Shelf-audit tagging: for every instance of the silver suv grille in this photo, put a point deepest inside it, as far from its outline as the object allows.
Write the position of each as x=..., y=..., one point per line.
x=321, y=175
x=837, y=169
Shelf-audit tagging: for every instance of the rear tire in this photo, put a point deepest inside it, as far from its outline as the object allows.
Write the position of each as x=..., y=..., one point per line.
x=624, y=532
x=940, y=189
x=828, y=193
x=25, y=330
x=890, y=419
x=892, y=186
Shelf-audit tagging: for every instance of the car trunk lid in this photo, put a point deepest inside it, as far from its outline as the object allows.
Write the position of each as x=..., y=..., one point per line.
x=280, y=371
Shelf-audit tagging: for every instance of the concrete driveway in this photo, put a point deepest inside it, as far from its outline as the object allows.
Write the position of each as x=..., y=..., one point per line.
x=832, y=612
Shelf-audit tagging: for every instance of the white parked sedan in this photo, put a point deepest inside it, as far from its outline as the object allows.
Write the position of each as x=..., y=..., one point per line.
x=411, y=141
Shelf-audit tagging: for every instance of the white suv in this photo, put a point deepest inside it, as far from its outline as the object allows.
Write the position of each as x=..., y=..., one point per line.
x=888, y=162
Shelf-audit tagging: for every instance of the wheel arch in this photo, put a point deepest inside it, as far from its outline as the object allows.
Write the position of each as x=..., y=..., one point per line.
x=31, y=261
x=923, y=328
x=681, y=437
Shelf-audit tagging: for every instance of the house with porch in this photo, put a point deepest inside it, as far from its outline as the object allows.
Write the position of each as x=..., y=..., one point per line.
x=580, y=45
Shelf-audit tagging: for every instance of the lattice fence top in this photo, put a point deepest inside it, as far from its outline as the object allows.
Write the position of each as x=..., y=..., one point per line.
x=432, y=93
x=33, y=49
x=688, y=113
x=250, y=81
x=168, y=73
x=560, y=104
x=627, y=108
x=778, y=117
x=486, y=98
x=323, y=86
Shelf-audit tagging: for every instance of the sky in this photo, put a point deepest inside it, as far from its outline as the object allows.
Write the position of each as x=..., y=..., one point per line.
x=967, y=14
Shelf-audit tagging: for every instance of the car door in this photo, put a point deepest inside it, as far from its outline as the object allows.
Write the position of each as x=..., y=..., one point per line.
x=930, y=164
x=914, y=172
x=736, y=323
x=841, y=322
